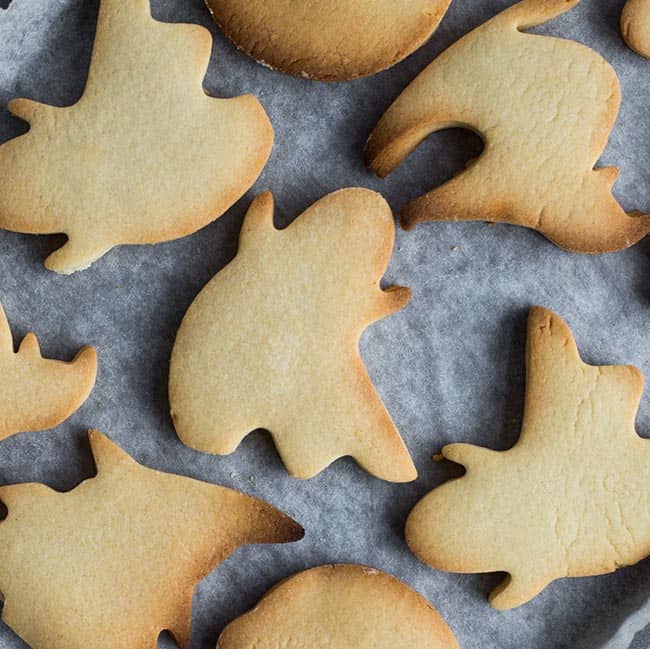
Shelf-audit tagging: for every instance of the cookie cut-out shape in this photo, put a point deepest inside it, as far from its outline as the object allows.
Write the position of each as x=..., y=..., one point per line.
x=114, y=562
x=570, y=499
x=38, y=393
x=544, y=108
x=635, y=26
x=144, y=156
x=340, y=606
x=272, y=341
x=331, y=40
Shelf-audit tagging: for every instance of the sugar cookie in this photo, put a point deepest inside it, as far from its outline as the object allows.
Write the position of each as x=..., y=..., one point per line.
x=272, y=341
x=544, y=108
x=635, y=26
x=38, y=393
x=340, y=606
x=144, y=156
x=570, y=499
x=331, y=40
x=114, y=562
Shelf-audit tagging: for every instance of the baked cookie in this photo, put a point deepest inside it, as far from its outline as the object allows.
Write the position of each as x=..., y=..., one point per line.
x=340, y=606
x=38, y=393
x=144, y=156
x=272, y=341
x=570, y=499
x=544, y=108
x=635, y=26
x=114, y=562
x=332, y=40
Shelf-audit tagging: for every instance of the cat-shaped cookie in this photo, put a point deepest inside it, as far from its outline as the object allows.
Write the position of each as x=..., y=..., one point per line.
x=272, y=340
x=37, y=393
x=544, y=108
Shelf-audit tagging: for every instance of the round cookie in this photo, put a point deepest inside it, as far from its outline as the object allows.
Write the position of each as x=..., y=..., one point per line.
x=635, y=26
x=340, y=606
x=331, y=40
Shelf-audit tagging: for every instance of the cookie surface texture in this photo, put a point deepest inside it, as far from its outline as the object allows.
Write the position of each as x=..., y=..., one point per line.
x=114, y=562
x=272, y=341
x=38, y=393
x=544, y=108
x=570, y=499
x=144, y=156
x=340, y=606
x=635, y=26
x=331, y=40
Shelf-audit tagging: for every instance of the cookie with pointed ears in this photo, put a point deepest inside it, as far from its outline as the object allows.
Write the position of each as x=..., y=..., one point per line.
x=144, y=156
x=114, y=562
x=635, y=26
x=351, y=606
x=331, y=40
x=544, y=108
x=38, y=393
x=570, y=499
x=272, y=341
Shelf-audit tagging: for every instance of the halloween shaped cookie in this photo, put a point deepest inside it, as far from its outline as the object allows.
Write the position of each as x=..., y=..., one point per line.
x=570, y=499
x=635, y=26
x=544, y=108
x=272, y=340
x=38, y=393
x=340, y=606
x=114, y=562
x=332, y=40
x=144, y=156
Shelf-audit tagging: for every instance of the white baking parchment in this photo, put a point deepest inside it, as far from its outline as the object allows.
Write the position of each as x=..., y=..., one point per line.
x=450, y=367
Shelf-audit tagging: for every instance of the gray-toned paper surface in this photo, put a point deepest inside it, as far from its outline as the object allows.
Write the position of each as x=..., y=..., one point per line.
x=450, y=367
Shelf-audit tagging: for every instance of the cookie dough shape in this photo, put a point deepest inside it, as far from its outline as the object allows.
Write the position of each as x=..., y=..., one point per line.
x=114, y=562
x=332, y=40
x=144, y=156
x=351, y=606
x=544, y=108
x=570, y=499
x=272, y=341
x=38, y=393
x=635, y=26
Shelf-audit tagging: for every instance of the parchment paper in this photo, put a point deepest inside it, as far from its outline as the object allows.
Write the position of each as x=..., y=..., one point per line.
x=450, y=367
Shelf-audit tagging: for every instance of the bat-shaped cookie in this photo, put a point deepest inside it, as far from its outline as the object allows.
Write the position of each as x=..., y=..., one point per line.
x=37, y=393
x=342, y=607
x=635, y=26
x=144, y=156
x=544, y=108
x=570, y=499
x=114, y=562
x=331, y=40
x=272, y=340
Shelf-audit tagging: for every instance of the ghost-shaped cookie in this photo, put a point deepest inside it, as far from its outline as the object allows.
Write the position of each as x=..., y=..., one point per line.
x=544, y=108
x=114, y=562
x=635, y=26
x=37, y=393
x=332, y=40
x=343, y=607
x=272, y=340
x=570, y=499
x=144, y=156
